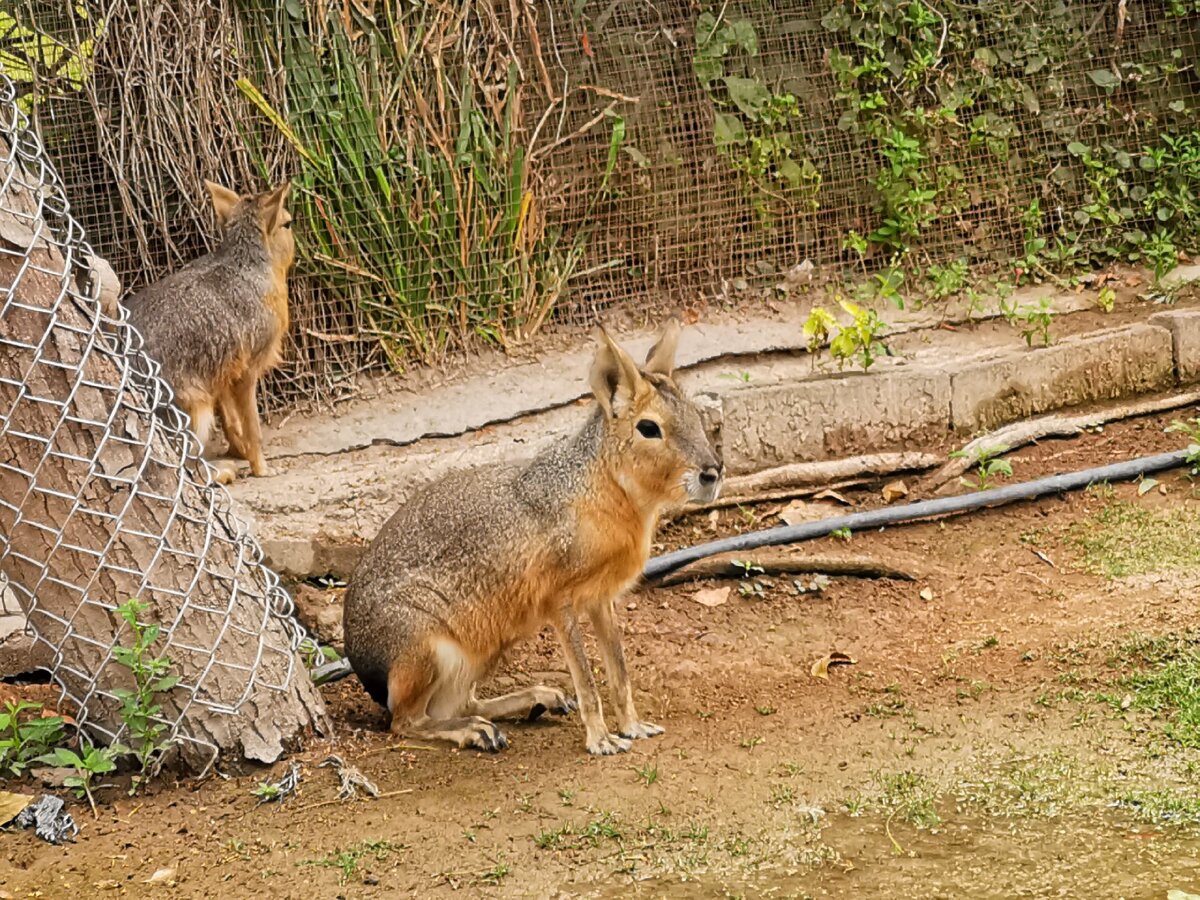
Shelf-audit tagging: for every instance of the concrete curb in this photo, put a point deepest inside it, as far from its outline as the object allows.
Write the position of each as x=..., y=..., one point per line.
x=315, y=516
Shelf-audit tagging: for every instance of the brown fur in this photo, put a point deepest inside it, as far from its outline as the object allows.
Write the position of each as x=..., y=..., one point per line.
x=486, y=557
x=217, y=325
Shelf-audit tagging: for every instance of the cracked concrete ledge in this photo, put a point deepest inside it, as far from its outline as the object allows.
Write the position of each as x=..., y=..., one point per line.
x=346, y=475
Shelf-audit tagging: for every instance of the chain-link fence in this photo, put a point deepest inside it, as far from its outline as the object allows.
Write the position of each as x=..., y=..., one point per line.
x=103, y=498
x=473, y=171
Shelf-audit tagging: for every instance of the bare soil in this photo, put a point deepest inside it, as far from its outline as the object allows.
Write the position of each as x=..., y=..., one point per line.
x=972, y=749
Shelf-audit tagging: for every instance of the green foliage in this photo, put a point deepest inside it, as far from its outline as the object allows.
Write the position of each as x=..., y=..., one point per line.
x=817, y=328
x=757, y=130
x=948, y=280
x=1031, y=321
x=858, y=341
x=929, y=92
x=42, y=65
x=25, y=736
x=95, y=761
x=988, y=466
x=1191, y=430
x=422, y=213
x=139, y=709
x=347, y=861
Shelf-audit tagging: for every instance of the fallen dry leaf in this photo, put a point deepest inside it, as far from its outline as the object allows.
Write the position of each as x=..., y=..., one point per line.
x=894, y=490
x=11, y=804
x=1132, y=281
x=820, y=669
x=801, y=511
x=831, y=495
x=711, y=596
x=160, y=876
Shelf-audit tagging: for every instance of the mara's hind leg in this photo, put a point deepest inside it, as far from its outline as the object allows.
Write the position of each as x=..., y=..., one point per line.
x=201, y=414
x=528, y=704
x=427, y=697
x=245, y=401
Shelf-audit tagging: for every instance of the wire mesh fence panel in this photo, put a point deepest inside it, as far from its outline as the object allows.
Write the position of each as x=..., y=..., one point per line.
x=471, y=173
x=103, y=498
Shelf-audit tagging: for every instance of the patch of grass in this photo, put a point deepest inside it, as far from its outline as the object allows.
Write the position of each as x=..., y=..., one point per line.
x=347, y=860
x=783, y=795
x=648, y=774
x=1162, y=806
x=495, y=874
x=1168, y=686
x=1125, y=539
x=910, y=796
x=568, y=836
x=1038, y=787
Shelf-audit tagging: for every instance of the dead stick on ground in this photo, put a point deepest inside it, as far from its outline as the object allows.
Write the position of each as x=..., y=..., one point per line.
x=336, y=800
x=395, y=747
x=1018, y=434
x=789, y=561
x=766, y=497
x=824, y=471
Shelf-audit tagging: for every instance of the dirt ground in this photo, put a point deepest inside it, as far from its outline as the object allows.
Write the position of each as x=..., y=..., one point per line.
x=1022, y=719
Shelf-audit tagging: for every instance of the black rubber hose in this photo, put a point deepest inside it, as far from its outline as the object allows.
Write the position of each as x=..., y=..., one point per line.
x=911, y=512
x=877, y=518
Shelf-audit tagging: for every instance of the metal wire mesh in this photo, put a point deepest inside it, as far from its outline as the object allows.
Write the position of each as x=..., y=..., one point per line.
x=103, y=496
x=468, y=171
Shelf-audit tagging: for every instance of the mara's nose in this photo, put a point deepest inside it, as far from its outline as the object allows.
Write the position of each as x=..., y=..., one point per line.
x=710, y=475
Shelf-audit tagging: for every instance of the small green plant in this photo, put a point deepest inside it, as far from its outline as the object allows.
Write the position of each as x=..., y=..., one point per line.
x=749, y=568
x=858, y=244
x=765, y=710
x=911, y=796
x=987, y=463
x=842, y=534
x=752, y=589
x=1035, y=243
x=346, y=861
x=1191, y=430
x=1106, y=299
x=266, y=792
x=1031, y=321
x=95, y=761
x=495, y=874
x=819, y=325
x=859, y=341
x=315, y=654
x=648, y=774
x=25, y=735
x=742, y=376
x=946, y=281
x=139, y=710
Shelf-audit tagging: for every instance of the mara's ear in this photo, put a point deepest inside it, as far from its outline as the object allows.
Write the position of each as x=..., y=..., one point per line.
x=615, y=378
x=223, y=200
x=271, y=207
x=661, y=358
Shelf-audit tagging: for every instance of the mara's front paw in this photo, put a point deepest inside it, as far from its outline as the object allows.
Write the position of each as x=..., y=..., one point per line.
x=608, y=745
x=642, y=730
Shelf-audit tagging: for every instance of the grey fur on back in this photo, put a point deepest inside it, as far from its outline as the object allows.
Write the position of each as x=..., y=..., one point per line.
x=197, y=320
x=455, y=541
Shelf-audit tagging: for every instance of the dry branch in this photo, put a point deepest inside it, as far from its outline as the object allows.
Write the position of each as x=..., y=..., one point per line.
x=825, y=471
x=793, y=561
x=1018, y=434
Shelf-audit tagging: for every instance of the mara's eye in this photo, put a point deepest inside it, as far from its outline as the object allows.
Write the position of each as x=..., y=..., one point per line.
x=648, y=429
x=287, y=224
